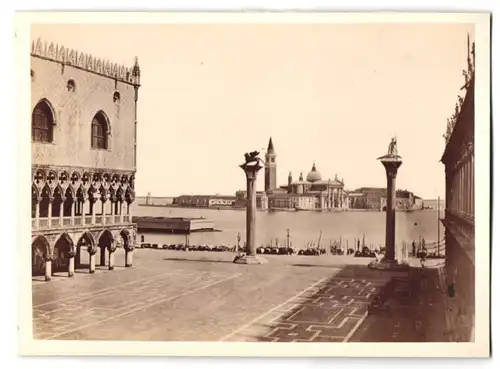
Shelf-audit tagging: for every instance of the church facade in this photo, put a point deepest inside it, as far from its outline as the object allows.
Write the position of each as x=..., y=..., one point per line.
x=83, y=143
x=311, y=193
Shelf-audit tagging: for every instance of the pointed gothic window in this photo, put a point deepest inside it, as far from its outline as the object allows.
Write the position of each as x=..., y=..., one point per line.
x=42, y=123
x=99, y=132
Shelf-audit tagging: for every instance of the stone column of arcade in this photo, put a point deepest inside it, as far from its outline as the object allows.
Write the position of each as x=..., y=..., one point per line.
x=48, y=268
x=129, y=251
x=111, y=259
x=391, y=162
x=92, y=251
x=71, y=263
x=251, y=167
x=129, y=256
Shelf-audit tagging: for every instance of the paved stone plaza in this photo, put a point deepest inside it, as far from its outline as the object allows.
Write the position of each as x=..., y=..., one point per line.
x=196, y=296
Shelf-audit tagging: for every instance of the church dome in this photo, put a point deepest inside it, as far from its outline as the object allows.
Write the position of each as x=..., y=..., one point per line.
x=313, y=175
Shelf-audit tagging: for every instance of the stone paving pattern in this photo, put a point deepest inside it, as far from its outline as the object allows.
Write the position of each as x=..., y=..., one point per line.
x=173, y=296
x=328, y=312
x=414, y=311
x=164, y=297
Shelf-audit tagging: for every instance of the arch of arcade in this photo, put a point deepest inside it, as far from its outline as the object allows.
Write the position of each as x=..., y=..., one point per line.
x=85, y=226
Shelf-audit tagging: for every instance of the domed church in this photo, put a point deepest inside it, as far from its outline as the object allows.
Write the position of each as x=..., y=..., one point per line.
x=313, y=193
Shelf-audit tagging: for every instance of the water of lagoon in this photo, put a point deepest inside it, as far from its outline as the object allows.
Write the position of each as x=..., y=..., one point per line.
x=305, y=227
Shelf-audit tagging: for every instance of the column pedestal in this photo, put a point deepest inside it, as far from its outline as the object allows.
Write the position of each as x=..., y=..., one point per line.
x=389, y=262
x=251, y=257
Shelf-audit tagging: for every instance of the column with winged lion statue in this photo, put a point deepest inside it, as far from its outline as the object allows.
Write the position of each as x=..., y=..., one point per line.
x=251, y=167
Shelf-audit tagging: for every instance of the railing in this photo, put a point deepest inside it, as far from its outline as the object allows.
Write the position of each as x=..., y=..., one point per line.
x=461, y=221
x=79, y=221
x=88, y=219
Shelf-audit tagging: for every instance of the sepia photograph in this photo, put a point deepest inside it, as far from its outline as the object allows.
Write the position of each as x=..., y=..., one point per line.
x=256, y=179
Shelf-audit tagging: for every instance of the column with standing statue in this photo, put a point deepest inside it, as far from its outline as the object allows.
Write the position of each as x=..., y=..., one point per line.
x=391, y=162
x=251, y=167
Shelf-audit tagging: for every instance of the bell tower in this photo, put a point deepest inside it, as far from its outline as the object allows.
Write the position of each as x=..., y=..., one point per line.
x=270, y=167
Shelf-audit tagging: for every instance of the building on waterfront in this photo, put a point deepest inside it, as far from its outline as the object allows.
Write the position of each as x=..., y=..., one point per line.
x=367, y=198
x=154, y=200
x=262, y=202
x=204, y=201
x=405, y=201
x=375, y=198
x=84, y=124
x=313, y=193
x=458, y=159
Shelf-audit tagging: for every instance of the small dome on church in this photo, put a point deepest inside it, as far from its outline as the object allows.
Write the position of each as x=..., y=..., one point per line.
x=313, y=175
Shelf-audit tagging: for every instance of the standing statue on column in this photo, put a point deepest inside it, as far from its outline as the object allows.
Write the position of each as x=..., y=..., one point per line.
x=391, y=162
x=393, y=148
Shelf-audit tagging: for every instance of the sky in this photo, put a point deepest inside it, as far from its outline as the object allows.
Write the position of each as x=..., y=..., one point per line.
x=330, y=94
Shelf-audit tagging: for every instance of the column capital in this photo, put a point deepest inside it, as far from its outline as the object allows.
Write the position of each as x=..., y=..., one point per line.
x=129, y=246
x=112, y=247
x=251, y=170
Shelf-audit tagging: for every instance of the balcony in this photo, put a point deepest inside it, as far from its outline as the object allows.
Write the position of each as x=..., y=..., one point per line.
x=79, y=221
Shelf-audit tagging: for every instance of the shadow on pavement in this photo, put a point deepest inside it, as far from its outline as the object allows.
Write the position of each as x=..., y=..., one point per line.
x=199, y=260
x=317, y=265
x=362, y=305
